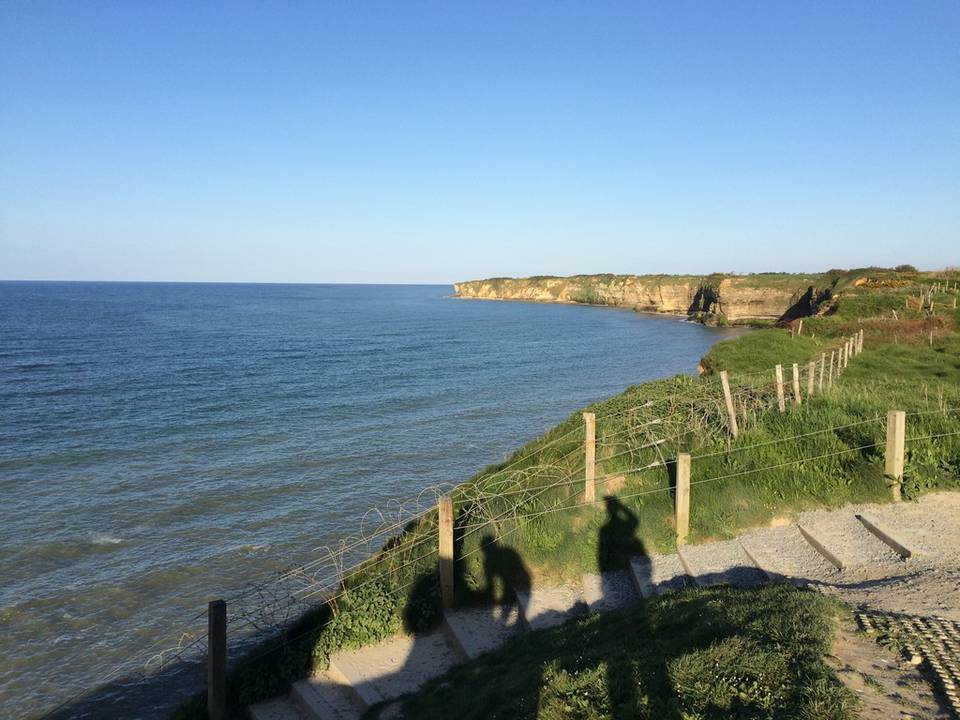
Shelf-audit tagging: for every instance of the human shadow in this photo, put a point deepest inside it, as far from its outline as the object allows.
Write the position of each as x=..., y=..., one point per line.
x=436, y=640
x=620, y=552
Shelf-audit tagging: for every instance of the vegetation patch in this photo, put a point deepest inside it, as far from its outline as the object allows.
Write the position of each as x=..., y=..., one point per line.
x=691, y=655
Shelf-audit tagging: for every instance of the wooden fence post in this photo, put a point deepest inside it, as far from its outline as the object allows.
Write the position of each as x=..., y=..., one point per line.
x=445, y=549
x=217, y=660
x=823, y=366
x=811, y=376
x=796, y=385
x=590, y=457
x=728, y=400
x=893, y=460
x=778, y=374
x=683, y=497
x=830, y=380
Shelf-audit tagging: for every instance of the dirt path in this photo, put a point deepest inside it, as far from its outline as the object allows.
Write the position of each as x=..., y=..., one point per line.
x=889, y=687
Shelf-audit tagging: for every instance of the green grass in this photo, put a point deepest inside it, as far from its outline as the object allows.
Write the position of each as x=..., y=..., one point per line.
x=693, y=655
x=779, y=465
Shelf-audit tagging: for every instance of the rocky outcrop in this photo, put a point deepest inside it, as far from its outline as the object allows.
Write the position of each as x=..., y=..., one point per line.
x=711, y=298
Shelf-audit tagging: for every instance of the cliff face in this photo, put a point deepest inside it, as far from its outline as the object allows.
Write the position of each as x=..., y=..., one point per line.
x=710, y=298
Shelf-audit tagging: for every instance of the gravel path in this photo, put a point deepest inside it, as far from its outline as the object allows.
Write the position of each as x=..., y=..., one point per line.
x=902, y=571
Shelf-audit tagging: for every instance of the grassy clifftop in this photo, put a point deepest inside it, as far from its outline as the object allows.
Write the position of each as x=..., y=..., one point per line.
x=715, y=298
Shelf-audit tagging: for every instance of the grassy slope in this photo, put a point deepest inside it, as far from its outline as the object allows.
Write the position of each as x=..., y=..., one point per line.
x=530, y=503
x=697, y=655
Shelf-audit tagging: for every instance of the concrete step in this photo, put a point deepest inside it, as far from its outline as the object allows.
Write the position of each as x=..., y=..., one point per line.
x=276, y=709
x=611, y=590
x=655, y=574
x=721, y=563
x=548, y=606
x=320, y=698
x=480, y=630
x=394, y=667
x=782, y=553
x=845, y=542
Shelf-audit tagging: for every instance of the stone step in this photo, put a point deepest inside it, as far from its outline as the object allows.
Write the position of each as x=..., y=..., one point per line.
x=610, y=590
x=655, y=574
x=276, y=709
x=320, y=698
x=543, y=607
x=843, y=538
x=480, y=630
x=782, y=553
x=394, y=667
x=721, y=563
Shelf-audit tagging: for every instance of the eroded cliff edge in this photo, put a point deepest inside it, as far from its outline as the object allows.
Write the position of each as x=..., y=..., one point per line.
x=714, y=299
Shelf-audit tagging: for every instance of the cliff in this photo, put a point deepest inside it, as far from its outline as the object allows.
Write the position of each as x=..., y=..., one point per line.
x=709, y=298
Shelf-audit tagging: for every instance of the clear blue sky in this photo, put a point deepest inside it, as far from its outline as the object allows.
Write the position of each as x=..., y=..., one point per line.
x=433, y=142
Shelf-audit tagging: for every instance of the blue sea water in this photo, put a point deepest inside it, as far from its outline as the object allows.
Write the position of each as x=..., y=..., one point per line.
x=162, y=444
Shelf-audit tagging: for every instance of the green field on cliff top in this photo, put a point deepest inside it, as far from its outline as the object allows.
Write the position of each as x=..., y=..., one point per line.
x=823, y=453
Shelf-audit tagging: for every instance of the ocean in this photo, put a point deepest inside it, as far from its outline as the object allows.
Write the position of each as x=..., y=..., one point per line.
x=163, y=444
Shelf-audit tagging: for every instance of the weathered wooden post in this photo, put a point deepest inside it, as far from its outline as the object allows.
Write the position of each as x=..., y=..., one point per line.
x=590, y=457
x=217, y=660
x=811, y=376
x=728, y=401
x=893, y=460
x=683, y=497
x=445, y=549
x=823, y=366
x=800, y=327
x=778, y=374
x=796, y=385
x=830, y=380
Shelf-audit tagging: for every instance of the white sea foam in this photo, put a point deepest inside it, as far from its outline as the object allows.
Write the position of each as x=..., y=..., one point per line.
x=104, y=539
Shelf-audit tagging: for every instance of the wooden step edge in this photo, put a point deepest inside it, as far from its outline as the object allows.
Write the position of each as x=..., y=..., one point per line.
x=645, y=588
x=770, y=575
x=687, y=569
x=314, y=706
x=821, y=548
x=454, y=641
x=883, y=536
x=339, y=678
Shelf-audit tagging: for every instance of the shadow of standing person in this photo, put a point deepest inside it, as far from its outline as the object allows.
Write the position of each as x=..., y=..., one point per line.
x=618, y=537
x=504, y=573
x=618, y=545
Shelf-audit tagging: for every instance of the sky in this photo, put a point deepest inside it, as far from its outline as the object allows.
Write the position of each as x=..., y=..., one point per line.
x=442, y=141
